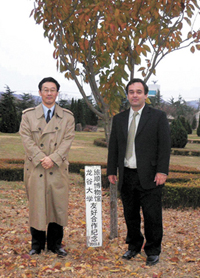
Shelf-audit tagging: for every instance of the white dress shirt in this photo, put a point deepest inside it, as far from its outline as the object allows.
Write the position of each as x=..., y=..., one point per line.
x=132, y=163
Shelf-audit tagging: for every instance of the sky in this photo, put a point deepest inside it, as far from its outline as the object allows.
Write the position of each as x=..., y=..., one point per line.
x=26, y=57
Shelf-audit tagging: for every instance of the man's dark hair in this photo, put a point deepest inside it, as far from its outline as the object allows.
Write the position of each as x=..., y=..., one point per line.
x=138, y=80
x=48, y=79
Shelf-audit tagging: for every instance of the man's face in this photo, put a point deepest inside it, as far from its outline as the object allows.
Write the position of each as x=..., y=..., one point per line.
x=49, y=94
x=136, y=96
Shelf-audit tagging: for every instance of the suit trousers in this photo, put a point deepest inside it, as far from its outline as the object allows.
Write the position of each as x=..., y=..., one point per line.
x=135, y=197
x=54, y=237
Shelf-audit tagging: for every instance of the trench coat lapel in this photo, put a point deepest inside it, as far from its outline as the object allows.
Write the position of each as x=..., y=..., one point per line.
x=143, y=119
x=40, y=119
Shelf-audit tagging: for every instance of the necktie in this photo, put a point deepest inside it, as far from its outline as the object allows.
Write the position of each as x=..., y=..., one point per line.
x=131, y=137
x=48, y=116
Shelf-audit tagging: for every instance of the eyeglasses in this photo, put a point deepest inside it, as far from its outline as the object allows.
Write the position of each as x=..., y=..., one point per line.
x=49, y=90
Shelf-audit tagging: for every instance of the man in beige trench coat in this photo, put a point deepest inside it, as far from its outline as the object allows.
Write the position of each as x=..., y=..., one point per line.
x=47, y=132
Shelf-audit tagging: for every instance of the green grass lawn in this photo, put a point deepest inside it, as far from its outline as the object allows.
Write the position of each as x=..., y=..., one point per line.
x=83, y=149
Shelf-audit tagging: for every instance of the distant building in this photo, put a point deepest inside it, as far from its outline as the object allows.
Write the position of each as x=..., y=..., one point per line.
x=153, y=89
x=170, y=118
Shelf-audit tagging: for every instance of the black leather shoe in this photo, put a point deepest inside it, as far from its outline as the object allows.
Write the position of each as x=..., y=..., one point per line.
x=33, y=252
x=60, y=251
x=130, y=254
x=151, y=260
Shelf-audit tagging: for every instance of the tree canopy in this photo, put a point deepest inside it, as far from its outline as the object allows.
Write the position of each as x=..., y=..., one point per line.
x=103, y=42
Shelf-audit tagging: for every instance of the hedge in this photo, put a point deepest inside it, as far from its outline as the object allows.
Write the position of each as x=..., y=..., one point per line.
x=185, y=152
x=101, y=142
x=182, y=188
x=11, y=169
x=194, y=141
x=75, y=167
x=181, y=196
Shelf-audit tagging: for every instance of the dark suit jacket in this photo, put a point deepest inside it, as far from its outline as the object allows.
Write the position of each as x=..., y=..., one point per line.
x=152, y=145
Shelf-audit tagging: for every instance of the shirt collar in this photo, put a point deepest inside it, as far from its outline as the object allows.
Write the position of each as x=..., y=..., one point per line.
x=132, y=111
x=45, y=109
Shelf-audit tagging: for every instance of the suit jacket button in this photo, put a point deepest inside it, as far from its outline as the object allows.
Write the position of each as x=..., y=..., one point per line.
x=56, y=127
x=51, y=173
x=41, y=175
x=41, y=145
x=55, y=144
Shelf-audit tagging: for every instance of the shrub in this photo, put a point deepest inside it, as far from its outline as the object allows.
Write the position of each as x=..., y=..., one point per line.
x=178, y=134
x=185, y=124
x=101, y=142
x=189, y=128
x=194, y=123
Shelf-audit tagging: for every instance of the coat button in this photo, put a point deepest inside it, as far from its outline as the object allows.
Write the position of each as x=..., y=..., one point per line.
x=29, y=158
x=39, y=128
x=41, y=175
x=41, y=145
x=51, y=173
x=64, y=158
x=56, y=127
x=55, y=144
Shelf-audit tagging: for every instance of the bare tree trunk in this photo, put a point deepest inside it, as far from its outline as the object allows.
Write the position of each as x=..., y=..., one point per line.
x=107, y=127
x=113, y=211
x=113, y=187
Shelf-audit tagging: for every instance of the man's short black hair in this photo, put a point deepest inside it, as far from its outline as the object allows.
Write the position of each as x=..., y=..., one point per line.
x=138, y=80
x=48, y=79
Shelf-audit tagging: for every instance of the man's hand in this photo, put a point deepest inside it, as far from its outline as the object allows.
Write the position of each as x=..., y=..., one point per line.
x=112, y=179
x=47, y=163
x=160, y=178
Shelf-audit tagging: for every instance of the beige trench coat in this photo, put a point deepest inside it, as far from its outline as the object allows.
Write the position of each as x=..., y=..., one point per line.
x=47, y=190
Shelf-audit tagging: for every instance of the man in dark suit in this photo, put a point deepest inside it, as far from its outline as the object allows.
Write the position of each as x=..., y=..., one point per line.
x=140, y=149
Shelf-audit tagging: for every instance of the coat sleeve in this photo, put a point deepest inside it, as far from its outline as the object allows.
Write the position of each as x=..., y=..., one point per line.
x=164, y=145
x=60, y=154
x=112, y=163
x=33, y=152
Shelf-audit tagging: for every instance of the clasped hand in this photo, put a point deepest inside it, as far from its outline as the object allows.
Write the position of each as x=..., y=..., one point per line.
x=46, y=162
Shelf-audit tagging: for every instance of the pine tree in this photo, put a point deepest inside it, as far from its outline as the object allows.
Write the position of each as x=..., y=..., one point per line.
x=64, y=103
x=9, y=119
x=25, y=102
x=82, y=113
x=90, y=117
